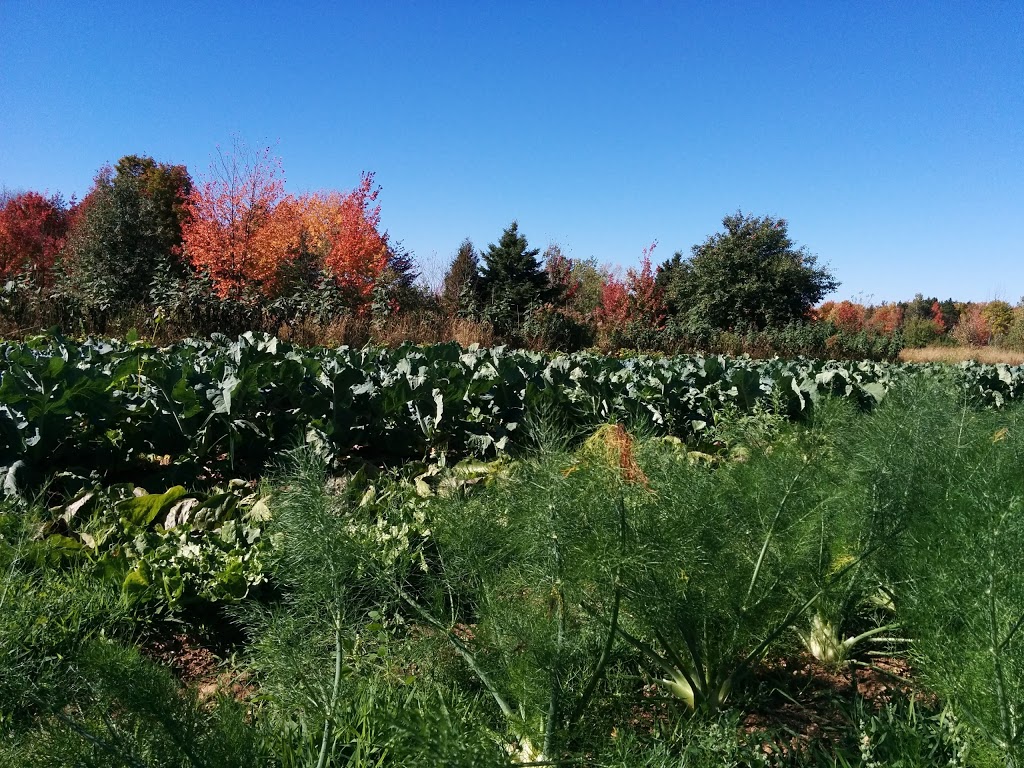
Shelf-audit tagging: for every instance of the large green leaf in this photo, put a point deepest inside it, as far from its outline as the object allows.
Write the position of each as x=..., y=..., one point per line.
x=143, y=510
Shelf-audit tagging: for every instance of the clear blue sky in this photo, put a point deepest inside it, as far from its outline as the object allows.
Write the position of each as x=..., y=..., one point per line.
x=889, y=134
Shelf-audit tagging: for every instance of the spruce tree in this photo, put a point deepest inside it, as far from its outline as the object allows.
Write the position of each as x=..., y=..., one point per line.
x=512, y=279
x=461, y=284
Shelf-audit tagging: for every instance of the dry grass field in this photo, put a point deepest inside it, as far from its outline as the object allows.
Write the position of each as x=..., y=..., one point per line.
x=959, y=354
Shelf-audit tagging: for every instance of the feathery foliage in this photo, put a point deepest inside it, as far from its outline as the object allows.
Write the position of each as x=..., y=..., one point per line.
x=950, y=475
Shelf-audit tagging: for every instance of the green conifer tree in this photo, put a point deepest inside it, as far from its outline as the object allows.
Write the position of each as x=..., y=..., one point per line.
x=460, y=290
x=511, y=280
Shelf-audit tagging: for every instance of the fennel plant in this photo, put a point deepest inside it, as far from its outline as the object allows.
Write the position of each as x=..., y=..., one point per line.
x=728, y=564
x=952, y=474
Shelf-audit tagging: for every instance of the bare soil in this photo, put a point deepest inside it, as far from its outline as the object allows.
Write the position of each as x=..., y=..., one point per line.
x=196, y=665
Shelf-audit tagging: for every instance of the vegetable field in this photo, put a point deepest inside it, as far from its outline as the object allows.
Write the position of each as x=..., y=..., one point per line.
x=234, y=406
x=241, y=552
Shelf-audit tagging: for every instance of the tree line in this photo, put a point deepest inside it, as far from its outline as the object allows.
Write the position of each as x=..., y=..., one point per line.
x=151, y=248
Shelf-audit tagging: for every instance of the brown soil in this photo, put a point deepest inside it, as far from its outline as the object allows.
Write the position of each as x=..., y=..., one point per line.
x=196, y=666
x=810, y=701
x=797, y=703
x=184, y=655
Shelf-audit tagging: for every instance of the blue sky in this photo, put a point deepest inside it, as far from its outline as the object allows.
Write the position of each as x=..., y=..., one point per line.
x=890, y=135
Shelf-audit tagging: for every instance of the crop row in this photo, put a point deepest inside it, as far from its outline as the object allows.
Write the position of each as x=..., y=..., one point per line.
x=236, y=405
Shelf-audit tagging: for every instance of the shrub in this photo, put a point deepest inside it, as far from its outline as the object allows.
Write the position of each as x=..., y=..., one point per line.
x=973, y=329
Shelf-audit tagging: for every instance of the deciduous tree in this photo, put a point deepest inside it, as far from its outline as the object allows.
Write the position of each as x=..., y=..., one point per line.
x=938, y=317
x=242, y=227
x=648, y=299
x=847, y=316
x=126, y=230
x=632, y=311
x=885, y=319
x=750, y=275
x=168, y=188
x=998, y=316
x=343, y=230
x=613, y=311
x=589, y=279
x=973, y=329
x=32, y=231
x=559, y=267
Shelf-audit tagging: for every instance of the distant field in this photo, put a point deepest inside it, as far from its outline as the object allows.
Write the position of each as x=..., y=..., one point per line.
x=959, y=354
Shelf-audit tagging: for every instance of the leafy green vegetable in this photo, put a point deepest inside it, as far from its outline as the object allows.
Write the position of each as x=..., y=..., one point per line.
x=232, y=407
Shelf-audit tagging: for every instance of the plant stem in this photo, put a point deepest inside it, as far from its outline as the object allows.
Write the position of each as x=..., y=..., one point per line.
x=1005, y=713
x=1009, y=635
x=850, y=642
x=602, y=661
x=464, y=652
x=609, y=642
x=338, y=650
x=104, y=745
x=556, y=684
x=768, y=538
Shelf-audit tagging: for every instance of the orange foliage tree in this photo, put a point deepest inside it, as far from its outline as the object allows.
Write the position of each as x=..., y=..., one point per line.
x=973, y=329
x=242, y=228
x=937, y=319
x=886, y=319
x=32, y=231
x=847, y=316
x=343, y=232
x=821, y=313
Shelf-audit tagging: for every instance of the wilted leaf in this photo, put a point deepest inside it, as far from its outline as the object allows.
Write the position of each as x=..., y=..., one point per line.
x=143, y=510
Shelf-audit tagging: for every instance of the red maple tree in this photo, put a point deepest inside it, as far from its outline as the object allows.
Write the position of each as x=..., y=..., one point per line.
x=937, y=318
x=632, y=303
x=647, y=298
x=344, y=231
x=33, y=229
x=560, y=269
x=613, y=311
x=242, y=227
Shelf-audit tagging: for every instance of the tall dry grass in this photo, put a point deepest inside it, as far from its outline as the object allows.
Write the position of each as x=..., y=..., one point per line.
x=960, y=354
x=345, y=331
x=429, y=328
x=418, y=328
